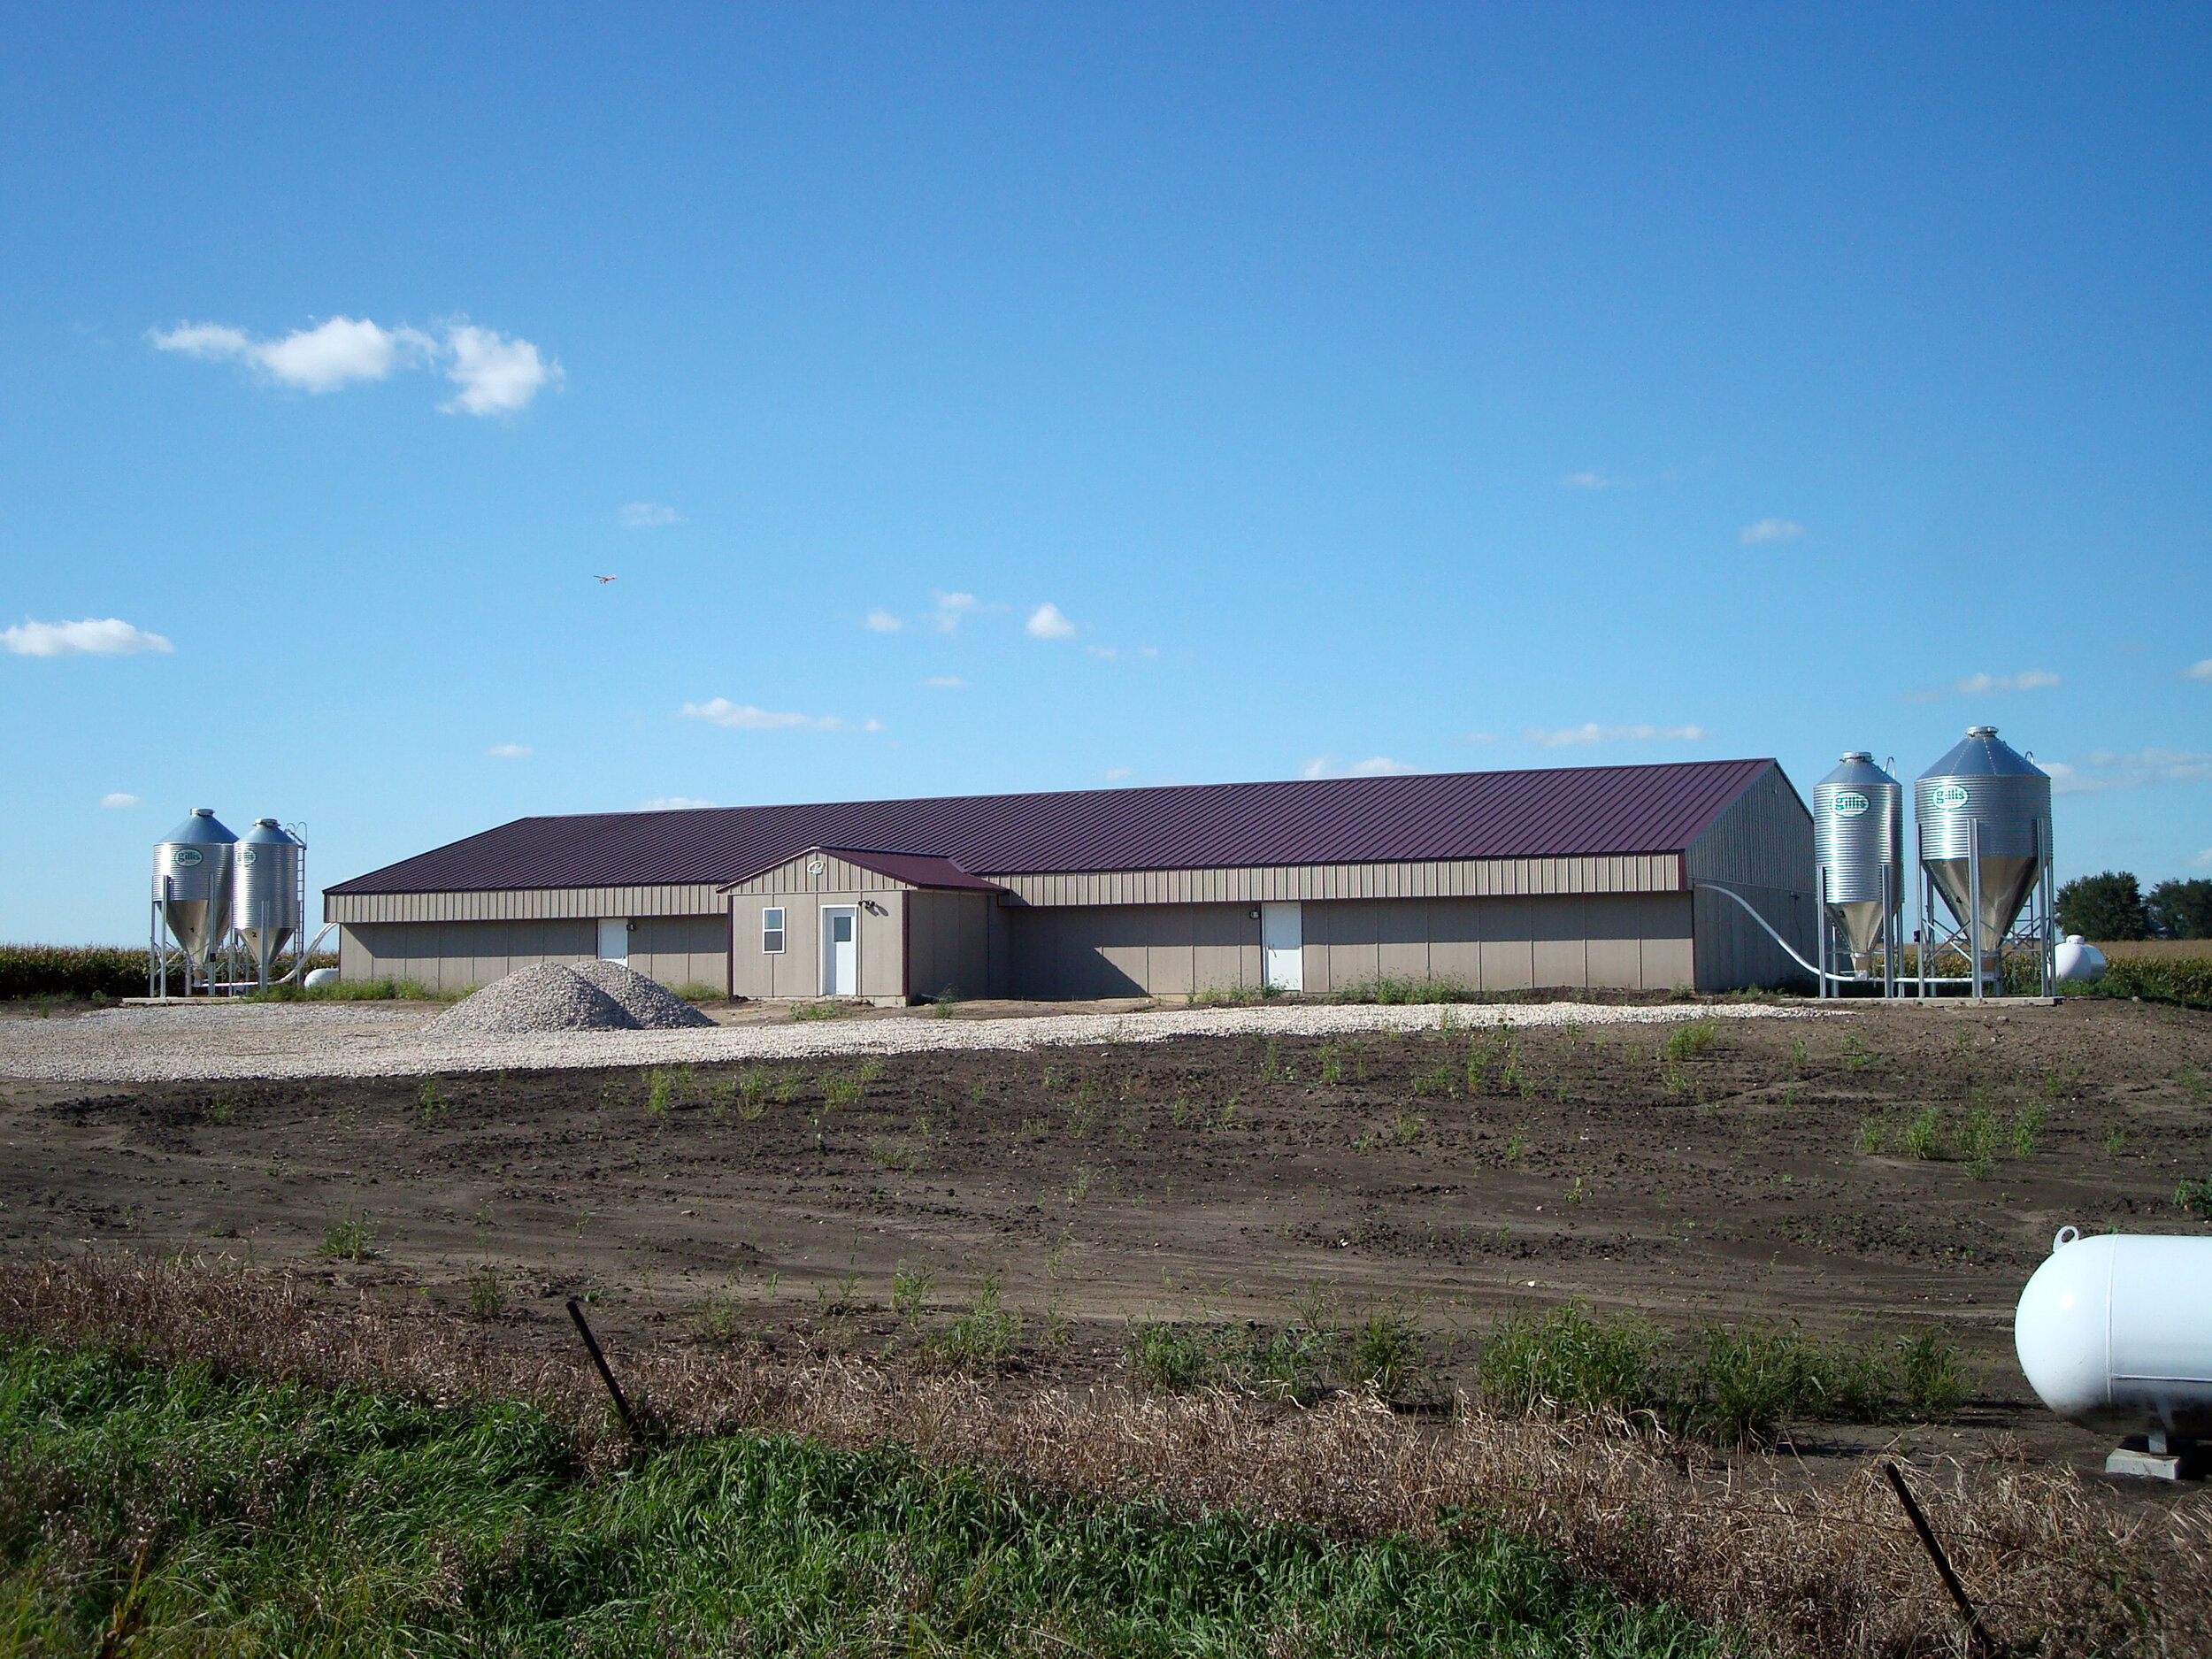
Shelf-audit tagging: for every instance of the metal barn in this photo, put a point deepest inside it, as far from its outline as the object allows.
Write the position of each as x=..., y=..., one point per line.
x=1586, y=876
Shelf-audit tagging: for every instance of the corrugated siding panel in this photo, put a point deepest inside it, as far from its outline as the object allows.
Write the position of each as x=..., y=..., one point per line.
x=1632, y=941
x=524, y=904
x=1658, y=873
x=839, y=875
x=1729, y=844
x=1762, y=847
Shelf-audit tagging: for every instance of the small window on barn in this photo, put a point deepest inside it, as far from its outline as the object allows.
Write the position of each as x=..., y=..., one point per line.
x=772, y=930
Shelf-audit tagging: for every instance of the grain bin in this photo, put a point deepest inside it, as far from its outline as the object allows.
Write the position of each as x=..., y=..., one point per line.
x=1858, y=856
x=1983, y=817
x=192, y=885
x=268, y=893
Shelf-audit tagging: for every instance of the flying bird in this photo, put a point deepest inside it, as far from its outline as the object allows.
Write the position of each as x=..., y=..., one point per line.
x=603, y=579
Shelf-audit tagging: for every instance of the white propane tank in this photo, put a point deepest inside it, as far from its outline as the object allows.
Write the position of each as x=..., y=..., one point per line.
x=318, y=978
x=2114, y=1331
x=2079, y=960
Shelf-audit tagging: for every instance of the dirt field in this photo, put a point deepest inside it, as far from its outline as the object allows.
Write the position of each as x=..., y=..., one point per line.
x=1771, y=1174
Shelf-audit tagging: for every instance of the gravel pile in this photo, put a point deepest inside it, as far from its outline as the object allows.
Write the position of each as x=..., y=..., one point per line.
x=546, y=997
x=650, y=1005
x=269, y=1039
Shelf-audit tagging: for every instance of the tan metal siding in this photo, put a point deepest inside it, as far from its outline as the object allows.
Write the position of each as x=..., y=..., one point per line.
x=837, y=876
x=1652, y=872
x=797, y=972
x=948, y=943
x=1471, y=878
x=681, y=950
x=1505, y=947
x=1761, y=846
x=522, y=904
x=457, y=955
x=1630, y=941
x=1129, y=951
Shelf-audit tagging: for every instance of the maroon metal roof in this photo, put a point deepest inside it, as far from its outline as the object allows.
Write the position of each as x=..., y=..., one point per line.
x=1556, y=813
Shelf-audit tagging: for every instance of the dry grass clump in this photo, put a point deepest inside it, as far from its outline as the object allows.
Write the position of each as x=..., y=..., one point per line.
x=1793, y=1567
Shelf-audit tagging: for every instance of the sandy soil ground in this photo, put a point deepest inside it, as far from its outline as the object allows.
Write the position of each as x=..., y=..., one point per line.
x=1189, y=1178
x=213, y=1039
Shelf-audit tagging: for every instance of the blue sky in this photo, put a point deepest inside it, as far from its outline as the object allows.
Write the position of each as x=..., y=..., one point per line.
x=992, y=399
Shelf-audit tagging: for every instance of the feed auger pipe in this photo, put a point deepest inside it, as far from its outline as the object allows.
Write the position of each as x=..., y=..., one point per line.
x=1833, y=978
x=299, y=968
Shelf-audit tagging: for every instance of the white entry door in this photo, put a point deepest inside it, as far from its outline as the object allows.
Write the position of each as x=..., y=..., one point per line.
x=841, y=950
x=614, y=939
x=1282, y=947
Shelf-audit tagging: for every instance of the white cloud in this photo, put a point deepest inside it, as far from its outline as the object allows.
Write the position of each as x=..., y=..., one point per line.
x=673, y=804
x=1104, y=653
x=102, y=636
x=2204, y=857
x=646, y=515
x=1987, y=685
x=337, y=353
x=2199, y=671
x=1148, y=650
x=1115, y=774
x=497, y=375
x=745, y=717
x=1046, y=623
x=1981, y=685
x=2110, y=768
x=881, y=621
x=510, y=751
x=951, y=607
x=211, y=340
x=945, y=682
x=1590, y=478
x=331, y=355
x=1591, y=732
x=1373, y=766
x=119, y=799
x=1770, y=530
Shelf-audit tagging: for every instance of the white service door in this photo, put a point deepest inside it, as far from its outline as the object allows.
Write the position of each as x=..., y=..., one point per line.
x=841, y=950
x=1282, y=947
x=614, y=939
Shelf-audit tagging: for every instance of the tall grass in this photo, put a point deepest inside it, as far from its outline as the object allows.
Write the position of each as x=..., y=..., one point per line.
x=386, y=989
x=1405, y=988
x=1726, y=1385
x=2187, y=980
x=1734, y=1385
x=86, y=973
x=252, y=1517
x=1822, y=1567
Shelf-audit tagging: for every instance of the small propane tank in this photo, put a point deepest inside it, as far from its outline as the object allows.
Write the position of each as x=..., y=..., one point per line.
x=318, y=978
x=2079, y=960
x=2115, y=1333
